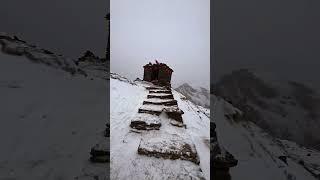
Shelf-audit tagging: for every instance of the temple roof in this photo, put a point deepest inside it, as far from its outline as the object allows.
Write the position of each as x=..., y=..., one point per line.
x=157, y=64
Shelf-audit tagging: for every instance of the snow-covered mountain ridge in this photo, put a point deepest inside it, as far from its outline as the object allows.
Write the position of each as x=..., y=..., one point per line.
x=285, y=109
x=260, y=155
x=199, y=96
x=52, y=114
x=50, y=118
x=12, y=45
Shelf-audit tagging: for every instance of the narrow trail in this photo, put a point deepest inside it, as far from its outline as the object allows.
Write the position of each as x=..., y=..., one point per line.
x=174, y=143
x=150, y=139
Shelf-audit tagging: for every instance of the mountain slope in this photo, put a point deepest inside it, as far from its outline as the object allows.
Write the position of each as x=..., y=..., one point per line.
x=199, y=96
x=51, y=115
x=259, y=155
x=287, y=110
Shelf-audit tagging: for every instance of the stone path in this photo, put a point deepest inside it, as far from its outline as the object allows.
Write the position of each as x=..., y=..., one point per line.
x=160, y=101
x=159, y=132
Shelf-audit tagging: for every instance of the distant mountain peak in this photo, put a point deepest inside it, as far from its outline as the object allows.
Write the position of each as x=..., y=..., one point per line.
x=199, y=96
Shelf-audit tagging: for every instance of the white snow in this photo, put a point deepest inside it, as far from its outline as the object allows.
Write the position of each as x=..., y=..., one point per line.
x=256, y=151
x=155, y=100
x=199, y=96
x=49, y=121
x=171, y=143
x=147, y=118
x=159, y=108
x=126, y=99
x=159, y=94
x=198, y=128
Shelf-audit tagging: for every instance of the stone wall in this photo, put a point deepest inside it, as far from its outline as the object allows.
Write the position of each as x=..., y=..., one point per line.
x=158, y=73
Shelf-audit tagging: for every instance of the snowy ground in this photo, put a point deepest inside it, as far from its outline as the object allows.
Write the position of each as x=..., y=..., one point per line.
x=258, y=152
x=126, y=99
x=49, y=121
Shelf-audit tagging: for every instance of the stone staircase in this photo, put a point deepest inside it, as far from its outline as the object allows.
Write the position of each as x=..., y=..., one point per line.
x=162, y=132
x=175, y=145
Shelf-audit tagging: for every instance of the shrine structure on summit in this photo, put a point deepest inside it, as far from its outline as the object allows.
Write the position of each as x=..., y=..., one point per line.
x=157, y=73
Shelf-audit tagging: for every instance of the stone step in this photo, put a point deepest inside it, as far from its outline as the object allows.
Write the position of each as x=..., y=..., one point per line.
x=160, y=91
x=146, y=122
x=155, y=88
x=149, y=111
x=173, y=115
x=160, y=108
x=169, y=147
x=173, y=112
x=100, y=153
x=176, y=116
x=160, y=96
x=165, y=102
x=177, y=123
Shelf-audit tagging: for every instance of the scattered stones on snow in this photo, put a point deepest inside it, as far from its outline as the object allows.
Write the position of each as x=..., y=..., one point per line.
x=177, y=123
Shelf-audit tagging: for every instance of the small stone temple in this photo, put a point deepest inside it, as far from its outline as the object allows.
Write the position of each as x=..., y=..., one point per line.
x=158, y=73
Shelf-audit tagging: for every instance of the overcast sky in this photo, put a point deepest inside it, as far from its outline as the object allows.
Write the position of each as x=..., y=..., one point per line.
x=176, y=32
x=66, y=26
x=270, y=35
